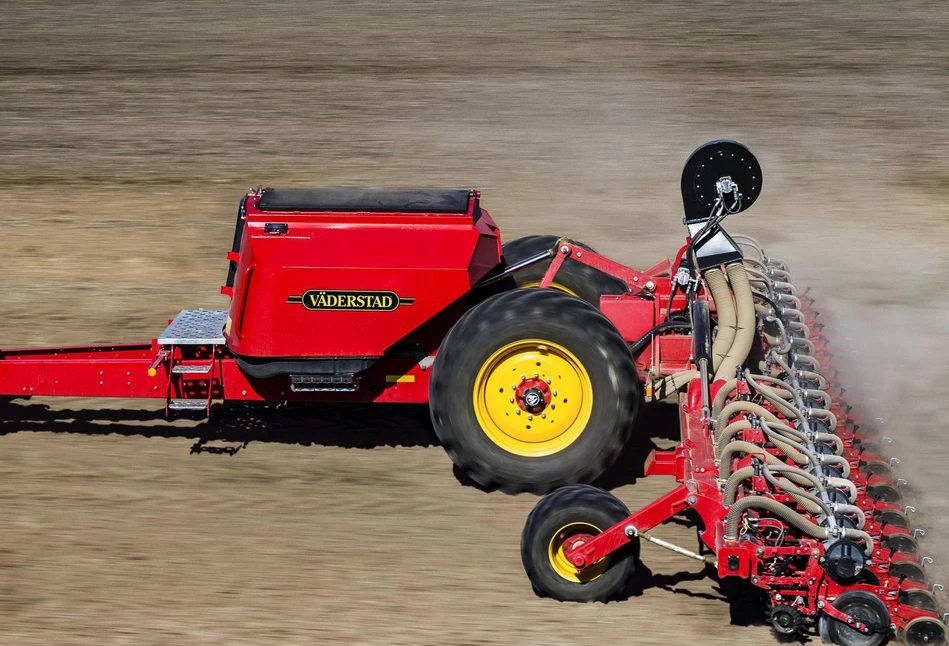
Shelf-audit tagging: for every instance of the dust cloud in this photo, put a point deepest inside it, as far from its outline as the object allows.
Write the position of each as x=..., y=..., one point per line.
x=129, y=131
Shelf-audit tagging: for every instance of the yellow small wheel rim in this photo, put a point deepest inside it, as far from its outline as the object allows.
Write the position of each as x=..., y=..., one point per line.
x=565, y=568
x=510, y=425
x=536, y=283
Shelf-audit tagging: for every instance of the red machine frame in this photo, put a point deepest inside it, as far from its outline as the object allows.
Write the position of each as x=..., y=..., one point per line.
x=211, y=373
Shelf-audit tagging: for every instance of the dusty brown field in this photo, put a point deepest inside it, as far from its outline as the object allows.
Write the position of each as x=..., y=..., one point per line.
x=128, y=133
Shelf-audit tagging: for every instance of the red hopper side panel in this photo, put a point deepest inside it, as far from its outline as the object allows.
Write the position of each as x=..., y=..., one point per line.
x=351, y=284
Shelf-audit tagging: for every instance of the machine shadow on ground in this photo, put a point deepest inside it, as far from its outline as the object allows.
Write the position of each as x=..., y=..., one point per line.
x=233, y=427
x=354, y=426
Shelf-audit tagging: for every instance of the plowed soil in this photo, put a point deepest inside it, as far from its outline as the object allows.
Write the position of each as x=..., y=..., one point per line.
x=130, y=130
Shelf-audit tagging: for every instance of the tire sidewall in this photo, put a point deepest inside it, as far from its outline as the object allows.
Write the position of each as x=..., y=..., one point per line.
x=476, y=337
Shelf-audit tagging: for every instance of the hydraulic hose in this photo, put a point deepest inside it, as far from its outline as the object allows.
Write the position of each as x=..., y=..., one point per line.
x=729, y=387
x=756, y=264
x=816, y=393
x=830, y=437
x=800, y=328
x=783, y=407
x=842, y=508
x=836, y=459
x=745, y=324
x=753, y=449
x=793, y=301
x=743, y=407
x=803, y=343
x=779, y=383
x=725, y=307
x=726, y=435
x=644, y=340
x=823, y=413
x=758, y=277
x=811, y=503
x=793, y=314
x=784, y=343
x=797, y=452
x=843, y=483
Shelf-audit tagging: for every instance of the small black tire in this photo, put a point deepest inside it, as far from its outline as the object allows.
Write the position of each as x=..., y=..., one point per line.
x=565, y=512
x=573, y=277
x=557, y=323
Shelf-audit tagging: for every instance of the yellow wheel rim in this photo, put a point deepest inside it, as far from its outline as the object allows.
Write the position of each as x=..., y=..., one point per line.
x=499, y=401
x=557, y=286
x=565, y=568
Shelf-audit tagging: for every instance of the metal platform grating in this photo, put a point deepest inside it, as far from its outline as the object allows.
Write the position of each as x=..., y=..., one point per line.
x=195, y=327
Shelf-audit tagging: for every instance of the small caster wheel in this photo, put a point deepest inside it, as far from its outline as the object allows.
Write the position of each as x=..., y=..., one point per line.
x=564, y=519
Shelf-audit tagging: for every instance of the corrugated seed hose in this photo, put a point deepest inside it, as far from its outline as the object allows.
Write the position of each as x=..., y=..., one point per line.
x=729, y=386
x=725, y=308
x=753, y=449
x=735, y=480
x=745, y=323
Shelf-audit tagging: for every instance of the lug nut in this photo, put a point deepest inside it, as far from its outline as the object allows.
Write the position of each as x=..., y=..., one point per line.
x=512, y=400
x=517, y=411
x=543, y=415
x=530, y=418
x=536, y=375
x=548, y=381
x=555, y=393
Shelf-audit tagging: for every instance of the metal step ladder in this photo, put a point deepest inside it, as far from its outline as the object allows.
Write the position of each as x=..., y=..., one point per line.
x=192, y=328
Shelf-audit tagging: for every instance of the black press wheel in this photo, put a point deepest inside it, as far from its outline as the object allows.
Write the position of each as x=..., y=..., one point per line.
x=565, y=518
x=925, y=631
x=885, y=493
x=910, y=570
x=573, y=277
x=866, y=608
x=877, y=468
x=919, y=599
x=892, y=517
x=533, y=389
x=901, y=543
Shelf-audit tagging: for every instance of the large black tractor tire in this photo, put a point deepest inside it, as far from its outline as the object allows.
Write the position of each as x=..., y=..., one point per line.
x=533, y=389
x=560, y=517
x=573, y=277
